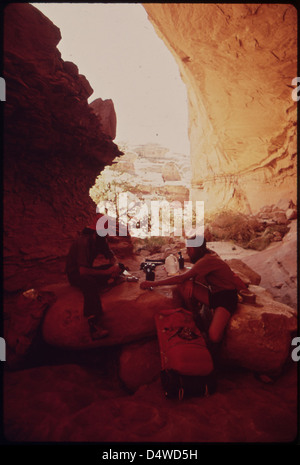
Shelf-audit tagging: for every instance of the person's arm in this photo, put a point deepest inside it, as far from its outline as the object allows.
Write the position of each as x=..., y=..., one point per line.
x=109, y=255
x=112, y=271
x=113, y=259
x=178, y=279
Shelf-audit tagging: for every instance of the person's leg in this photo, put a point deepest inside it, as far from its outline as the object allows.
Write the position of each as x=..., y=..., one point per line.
x=201, y=293
x=189, y=294
x=221, y=316
x=202, y=313
x=90, y=290
x=185, y=292
x=218, y=324
x=92, y=307
x=225, y=304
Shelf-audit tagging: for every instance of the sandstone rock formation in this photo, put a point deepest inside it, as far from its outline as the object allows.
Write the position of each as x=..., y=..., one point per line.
x=128, y=313
x=238, y=62
x=105, y=111
x=52, y=402
x=277, y=266
x=259, y=338
x=246, y=274
x=53, y=149
x=25, y=319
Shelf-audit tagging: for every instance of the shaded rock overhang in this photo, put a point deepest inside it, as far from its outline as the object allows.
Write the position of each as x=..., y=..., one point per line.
x=237, y=61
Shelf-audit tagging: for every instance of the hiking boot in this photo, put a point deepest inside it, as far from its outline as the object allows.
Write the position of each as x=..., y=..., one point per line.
x=98, y=333
x=95, y=330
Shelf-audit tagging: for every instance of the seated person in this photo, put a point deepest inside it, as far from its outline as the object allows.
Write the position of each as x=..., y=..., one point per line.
x=89, y=279
x=211, y=282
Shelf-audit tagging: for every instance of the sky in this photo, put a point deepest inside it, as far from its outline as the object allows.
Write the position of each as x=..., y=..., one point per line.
x=116, y=48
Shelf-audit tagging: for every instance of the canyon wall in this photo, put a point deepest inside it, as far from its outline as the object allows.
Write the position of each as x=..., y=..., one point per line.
x=54, y=148
x=238, y=62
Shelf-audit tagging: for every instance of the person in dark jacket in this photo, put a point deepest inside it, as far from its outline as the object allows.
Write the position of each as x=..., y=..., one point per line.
x=88, y=278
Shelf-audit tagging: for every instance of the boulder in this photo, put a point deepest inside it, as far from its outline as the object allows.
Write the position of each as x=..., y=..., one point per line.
x=280, y=218
x=24, y=322
x=272, y=229
x=284, y=204
x=260, y=243
x=139, y=364
x=273, y=215
x=277, y=266
x=244, y=271
x=258, y=337
x=128, y=315
x=291, y=213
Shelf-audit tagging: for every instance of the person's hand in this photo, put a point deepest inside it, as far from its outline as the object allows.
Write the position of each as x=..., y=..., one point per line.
x=113, y=260
x=146, y=284
x=114, y=271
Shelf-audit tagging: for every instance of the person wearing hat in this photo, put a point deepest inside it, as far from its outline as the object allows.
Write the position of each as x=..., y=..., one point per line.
x=88, y=278
x=211, y=282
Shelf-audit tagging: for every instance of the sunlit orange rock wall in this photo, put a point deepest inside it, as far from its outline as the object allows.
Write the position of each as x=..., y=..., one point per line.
x=237, y=61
